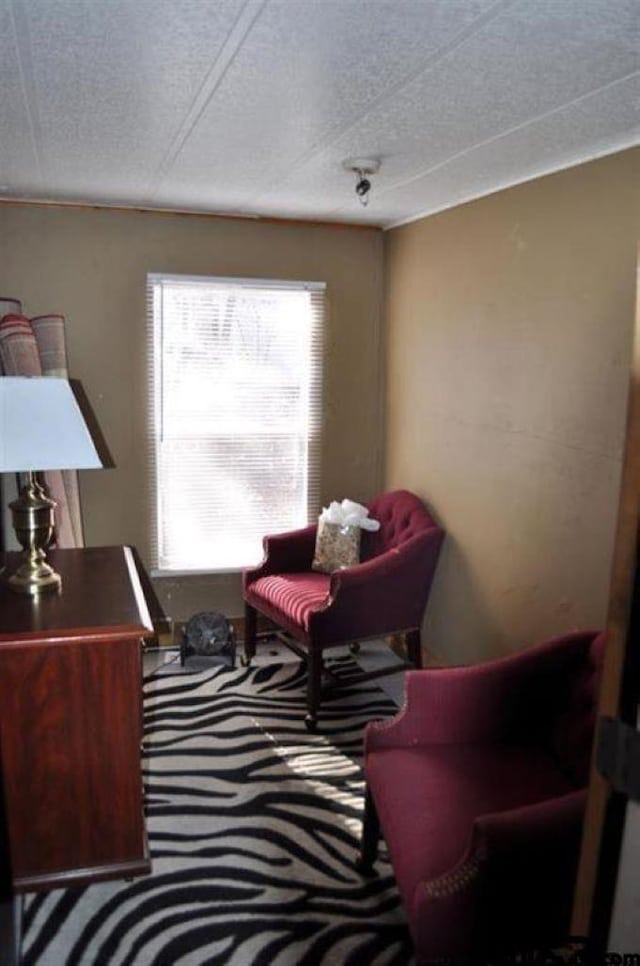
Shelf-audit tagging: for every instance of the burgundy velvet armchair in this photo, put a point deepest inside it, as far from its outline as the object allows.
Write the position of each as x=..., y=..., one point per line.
x=479, y=786
x=386, y=593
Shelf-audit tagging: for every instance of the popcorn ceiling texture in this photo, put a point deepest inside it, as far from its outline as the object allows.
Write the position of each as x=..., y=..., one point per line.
x=247, y=106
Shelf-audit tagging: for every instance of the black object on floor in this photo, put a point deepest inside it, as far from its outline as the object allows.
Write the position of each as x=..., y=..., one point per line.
x=208, y=640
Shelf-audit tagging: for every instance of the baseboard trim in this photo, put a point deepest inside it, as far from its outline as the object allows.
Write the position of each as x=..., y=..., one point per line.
x=429, y=657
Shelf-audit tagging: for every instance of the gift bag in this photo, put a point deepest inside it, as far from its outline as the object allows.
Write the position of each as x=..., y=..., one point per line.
x=338, y=536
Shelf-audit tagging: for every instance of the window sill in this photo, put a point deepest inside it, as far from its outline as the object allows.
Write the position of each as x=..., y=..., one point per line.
x=210, y=572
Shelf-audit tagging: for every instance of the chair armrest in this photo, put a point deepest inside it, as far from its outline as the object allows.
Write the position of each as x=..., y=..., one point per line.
x=482, y=702
x=387, y=593
x=548, y=825
x=289, y=552
x=514, y=881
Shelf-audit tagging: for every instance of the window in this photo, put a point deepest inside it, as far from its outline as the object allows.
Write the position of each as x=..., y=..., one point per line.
x=235, y=385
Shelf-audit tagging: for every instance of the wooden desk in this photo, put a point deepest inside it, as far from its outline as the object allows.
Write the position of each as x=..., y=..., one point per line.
x=71, y=722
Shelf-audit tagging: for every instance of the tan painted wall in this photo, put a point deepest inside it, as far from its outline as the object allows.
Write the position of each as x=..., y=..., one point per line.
x=91, y=266
x=509, y=325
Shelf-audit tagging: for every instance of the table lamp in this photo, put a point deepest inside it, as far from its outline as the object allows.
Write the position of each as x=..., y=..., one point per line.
x=41, y=428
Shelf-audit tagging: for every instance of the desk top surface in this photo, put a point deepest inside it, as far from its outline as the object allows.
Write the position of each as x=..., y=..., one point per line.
x=101, y=596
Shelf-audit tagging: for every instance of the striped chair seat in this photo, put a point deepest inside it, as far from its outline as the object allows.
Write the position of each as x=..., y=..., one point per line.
x=294, y=595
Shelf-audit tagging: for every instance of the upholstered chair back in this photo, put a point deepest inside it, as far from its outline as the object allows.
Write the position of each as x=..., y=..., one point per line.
x=402, y=516
x=571, y=737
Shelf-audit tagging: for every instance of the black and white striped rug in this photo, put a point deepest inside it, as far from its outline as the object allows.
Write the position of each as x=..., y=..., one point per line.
x=253, y=826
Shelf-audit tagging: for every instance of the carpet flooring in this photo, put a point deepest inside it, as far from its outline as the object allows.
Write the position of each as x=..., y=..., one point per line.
x=253, y=828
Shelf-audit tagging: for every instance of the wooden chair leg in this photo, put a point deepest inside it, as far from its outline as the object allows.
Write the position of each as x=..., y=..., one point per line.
x=414, y=647
x=250, y=625
x=370, y=836
x=314, y=685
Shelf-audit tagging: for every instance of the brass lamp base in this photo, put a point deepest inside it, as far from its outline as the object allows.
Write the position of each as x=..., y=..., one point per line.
x=33, y=522
x=34, y=576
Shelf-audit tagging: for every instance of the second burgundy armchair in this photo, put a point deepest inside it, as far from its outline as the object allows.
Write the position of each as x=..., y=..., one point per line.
x=386, y=593
x=479, y=787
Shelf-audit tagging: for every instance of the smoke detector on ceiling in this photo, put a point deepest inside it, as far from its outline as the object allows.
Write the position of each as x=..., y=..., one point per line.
x=363, y=168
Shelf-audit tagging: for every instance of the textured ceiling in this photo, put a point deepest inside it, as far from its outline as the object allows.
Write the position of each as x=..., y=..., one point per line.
x=251, y=106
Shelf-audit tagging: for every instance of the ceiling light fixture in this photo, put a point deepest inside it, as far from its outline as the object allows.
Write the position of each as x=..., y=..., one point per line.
x=363, y=168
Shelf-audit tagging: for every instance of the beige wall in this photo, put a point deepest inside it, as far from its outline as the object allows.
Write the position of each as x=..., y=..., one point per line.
x=91, y=266
x=509, y=324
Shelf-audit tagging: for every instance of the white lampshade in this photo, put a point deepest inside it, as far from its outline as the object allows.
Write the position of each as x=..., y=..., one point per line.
x=42, y=427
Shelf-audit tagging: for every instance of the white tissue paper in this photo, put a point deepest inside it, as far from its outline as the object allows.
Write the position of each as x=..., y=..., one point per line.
x=348, y=514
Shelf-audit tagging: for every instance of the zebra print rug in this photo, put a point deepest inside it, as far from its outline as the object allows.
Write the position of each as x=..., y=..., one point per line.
x=253, y=827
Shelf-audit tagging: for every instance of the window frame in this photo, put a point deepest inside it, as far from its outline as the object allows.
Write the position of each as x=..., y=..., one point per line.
x=155, y=402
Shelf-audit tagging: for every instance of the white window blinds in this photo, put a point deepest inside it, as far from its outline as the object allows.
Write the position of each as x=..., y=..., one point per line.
x=235, y=369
